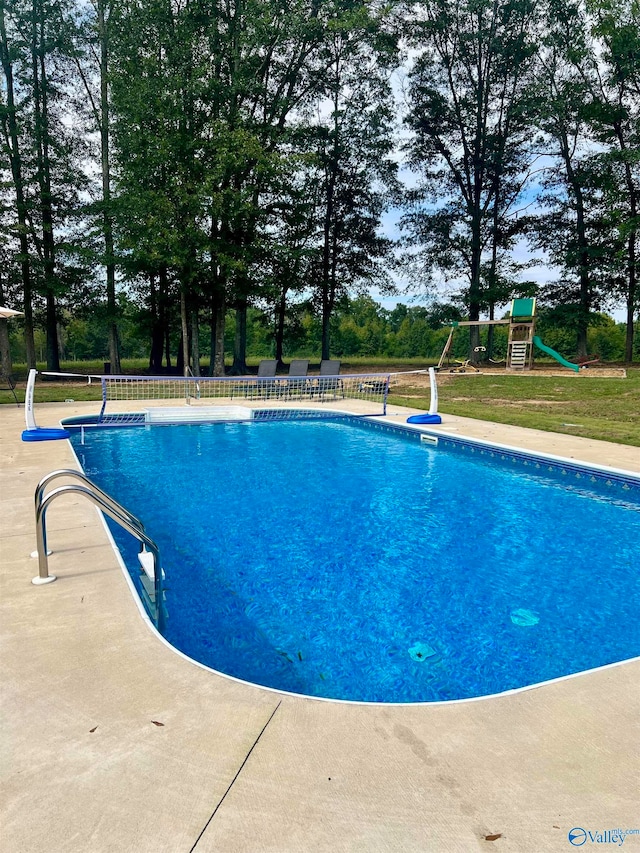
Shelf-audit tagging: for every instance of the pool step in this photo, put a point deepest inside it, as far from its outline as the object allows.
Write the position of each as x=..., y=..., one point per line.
x=148, y=595
x=148, y=563
x=196, y=414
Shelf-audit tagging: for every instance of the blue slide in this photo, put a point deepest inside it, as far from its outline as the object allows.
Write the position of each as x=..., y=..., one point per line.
x=556, y=355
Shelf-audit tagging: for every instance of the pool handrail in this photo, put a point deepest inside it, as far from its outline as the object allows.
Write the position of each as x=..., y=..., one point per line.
x=71, y=472
x=120, y=515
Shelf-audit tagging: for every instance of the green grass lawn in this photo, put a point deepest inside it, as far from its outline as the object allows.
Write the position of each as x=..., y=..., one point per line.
x=582, y=405
x=602, y=408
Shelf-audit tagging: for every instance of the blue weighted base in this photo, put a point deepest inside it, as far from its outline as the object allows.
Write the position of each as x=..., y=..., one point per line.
x=44, y=434
x=424, y=419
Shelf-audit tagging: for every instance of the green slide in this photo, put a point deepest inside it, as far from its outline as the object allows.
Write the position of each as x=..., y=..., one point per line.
x=556, y=355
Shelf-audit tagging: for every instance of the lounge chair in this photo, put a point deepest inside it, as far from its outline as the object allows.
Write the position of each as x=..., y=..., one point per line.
x=298, y=382
x=298, y=367
x=329, y=381
x=328, y=367
x=266, y=370
x=267, y=367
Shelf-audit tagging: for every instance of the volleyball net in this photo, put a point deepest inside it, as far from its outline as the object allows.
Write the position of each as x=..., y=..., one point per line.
x=235, y=398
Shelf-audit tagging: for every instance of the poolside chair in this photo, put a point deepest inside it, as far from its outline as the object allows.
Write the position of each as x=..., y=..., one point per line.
x=329, y=381
x=7, y=384
x=298, y=367
x=298, y=382
x=266, y=369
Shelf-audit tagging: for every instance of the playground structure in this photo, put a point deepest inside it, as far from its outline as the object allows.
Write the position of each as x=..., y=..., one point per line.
x=522, y=339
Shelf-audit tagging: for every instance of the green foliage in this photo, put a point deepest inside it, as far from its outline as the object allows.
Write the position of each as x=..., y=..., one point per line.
x=253, y=155
x=470, y=142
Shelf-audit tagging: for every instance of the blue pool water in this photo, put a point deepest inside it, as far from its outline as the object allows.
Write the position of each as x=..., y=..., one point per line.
x=340, y=560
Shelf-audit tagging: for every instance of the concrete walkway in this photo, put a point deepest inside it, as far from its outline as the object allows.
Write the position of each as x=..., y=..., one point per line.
x=113, y=742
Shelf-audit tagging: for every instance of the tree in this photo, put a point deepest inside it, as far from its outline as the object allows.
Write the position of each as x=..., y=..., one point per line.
x=202, y=132
x=45, y=156
x=356, y=173
x=573, y=229
x=614, y=88
x=470, y=139
x=286, y=248
x=12, y=147
x=92, y=61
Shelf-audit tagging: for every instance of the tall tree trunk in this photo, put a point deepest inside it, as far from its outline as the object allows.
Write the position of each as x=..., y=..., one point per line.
x=584, y=277
x=184, y=325
x=107, y=219
x=326, y=317
x=181, y=368
x=490, y=334
x=475, y=286
x=632, y=261
x=329, y=246
x=239, y=367
x=281, y=312
x=41, y=128
x=195, y=342
x=157, y=331
x=10, y=126
x=218, y=304
x=167, y=346
x=631, y=302
x=218, y=312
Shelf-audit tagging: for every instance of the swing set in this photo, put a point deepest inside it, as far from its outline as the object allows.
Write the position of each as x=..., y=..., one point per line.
x=521, y=322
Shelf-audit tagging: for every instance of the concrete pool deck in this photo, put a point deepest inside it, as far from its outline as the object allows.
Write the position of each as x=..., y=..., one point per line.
x=113, y=742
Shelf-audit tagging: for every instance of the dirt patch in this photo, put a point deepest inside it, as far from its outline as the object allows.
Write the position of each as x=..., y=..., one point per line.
x=516, y=403
x=421, y=380
x=539, y=403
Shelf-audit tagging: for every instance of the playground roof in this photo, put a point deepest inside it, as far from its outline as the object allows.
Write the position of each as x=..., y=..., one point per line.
x=523, y=308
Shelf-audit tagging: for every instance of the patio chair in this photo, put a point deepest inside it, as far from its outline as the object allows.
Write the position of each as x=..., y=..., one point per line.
x=266, y=369
x=329, y=381
x=298, y=367
x=7, y=384
x=298, y=382
x=328, y=367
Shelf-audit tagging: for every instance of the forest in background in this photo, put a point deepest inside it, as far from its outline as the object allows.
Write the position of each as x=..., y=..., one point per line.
x=360, y=328
x=181, y=178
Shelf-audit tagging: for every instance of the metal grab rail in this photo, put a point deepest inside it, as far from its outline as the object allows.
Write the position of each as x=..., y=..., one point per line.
x=71, y=472
x=189, y=374
x=115, y=511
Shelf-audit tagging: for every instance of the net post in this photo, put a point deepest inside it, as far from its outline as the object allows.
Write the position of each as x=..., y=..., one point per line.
x=104, y=398
x=433, y=407
x=29, y=417
x=386, y=394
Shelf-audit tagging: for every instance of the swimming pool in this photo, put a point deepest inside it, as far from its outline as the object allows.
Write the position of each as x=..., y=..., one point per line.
x=348, y=559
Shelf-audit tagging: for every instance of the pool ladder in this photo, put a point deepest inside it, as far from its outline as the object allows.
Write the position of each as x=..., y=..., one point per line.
x=152, y=574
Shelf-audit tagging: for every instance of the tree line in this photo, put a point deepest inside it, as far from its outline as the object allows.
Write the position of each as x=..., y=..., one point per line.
x=360, y=328
x=217, y=159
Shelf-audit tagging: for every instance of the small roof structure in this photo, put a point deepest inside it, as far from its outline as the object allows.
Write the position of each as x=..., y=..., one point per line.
x=523, y=308
x=9, y=312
